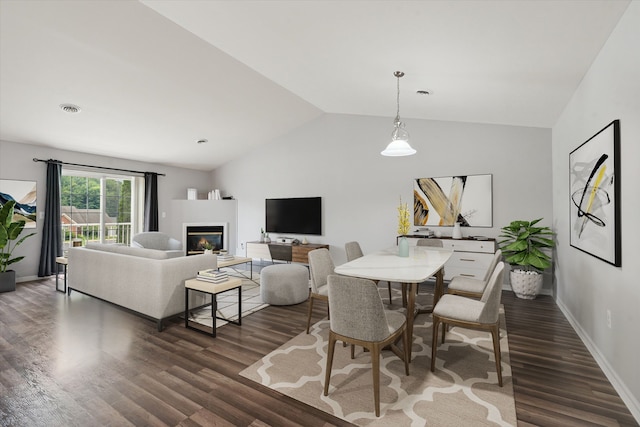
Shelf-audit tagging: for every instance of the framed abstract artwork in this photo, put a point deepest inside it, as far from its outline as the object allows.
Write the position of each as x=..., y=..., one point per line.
x=443, y=201
x=594, y=179
x=24, y=194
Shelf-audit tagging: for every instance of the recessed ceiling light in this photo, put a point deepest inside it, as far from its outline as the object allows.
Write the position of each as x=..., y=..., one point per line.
x=202, y=141
x=424, y=92
x=70, y=108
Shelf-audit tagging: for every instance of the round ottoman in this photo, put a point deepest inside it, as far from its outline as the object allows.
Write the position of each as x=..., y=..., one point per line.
x=284, y=284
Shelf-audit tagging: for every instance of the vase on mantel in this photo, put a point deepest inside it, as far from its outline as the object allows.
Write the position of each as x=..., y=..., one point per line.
x=403, y=247
x=457, y=232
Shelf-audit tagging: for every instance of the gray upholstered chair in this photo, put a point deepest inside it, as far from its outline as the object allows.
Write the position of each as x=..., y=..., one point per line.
x=358, y=317
x=156, y=240
x=354, y=251
x=320, y=266
x=471, y=287
x=432, y=243
x=483, y=314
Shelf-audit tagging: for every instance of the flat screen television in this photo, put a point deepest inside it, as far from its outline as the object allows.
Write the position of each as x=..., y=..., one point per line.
x=299, y=215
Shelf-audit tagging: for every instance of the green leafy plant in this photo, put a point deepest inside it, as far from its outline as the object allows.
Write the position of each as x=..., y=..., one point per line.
x=207, y=246
x=523, y=242
x=9, y=232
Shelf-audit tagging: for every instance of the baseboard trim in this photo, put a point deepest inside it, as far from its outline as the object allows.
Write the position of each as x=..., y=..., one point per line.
x=632, y=403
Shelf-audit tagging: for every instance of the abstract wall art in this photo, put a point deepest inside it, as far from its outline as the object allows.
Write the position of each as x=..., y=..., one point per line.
x=443, y=201
x=594, y=179
x=24, y=193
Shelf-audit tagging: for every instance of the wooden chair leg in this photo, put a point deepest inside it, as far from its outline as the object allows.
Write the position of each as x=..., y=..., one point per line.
x=389, y=287
x=330, y=349
x=434, y=342
x=375, y=370
x=407, y=349
x=495, y=333
x=309, y=314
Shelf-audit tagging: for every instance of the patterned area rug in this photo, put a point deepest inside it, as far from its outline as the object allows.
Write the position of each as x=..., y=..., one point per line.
x=462, y=391
x=228, y=301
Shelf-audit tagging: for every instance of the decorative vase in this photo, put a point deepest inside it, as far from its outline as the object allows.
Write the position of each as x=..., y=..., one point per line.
x=208, y=251
x=457, y=232
x=403, y=247
x=526, y=284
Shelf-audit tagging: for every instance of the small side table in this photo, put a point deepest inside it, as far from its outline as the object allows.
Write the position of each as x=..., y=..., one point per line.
x=212, y=289
x=64, y=261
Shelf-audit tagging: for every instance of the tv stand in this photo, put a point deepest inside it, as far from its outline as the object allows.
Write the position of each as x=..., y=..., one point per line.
x=281, y=251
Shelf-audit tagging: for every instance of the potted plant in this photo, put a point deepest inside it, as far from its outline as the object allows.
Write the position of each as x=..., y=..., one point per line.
x=521, y=247
x=9, y=232
x=208, y=248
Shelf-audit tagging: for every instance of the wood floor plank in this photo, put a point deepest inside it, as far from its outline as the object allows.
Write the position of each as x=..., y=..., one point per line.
x=74, y=360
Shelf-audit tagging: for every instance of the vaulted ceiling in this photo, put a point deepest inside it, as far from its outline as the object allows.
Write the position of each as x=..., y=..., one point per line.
x=154, y=76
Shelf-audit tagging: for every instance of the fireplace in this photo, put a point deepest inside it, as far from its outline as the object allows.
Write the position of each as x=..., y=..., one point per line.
x=197, y=235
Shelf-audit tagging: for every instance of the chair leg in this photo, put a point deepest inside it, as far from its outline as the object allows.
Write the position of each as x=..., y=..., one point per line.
x=375, y=370
x=445, y=328
x=389, y=286
x=407, y=349
x=495, y=333
x=330, y=349
x=434, y=342
x=309, y=314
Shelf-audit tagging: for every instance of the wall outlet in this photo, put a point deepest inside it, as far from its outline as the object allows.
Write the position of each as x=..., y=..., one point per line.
x=241, y=245
x=609, y=318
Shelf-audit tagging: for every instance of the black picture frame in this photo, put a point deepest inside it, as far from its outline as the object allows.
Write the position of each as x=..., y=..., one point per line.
x=594, y=195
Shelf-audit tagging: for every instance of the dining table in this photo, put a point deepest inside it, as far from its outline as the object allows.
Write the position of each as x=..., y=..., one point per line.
x=422, y=263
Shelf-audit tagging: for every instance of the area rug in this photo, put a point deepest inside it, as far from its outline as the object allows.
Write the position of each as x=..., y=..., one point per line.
x=228, y=301
x=462, y=391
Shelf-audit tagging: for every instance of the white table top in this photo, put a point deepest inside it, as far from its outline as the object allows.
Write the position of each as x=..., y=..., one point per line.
x=422, y=263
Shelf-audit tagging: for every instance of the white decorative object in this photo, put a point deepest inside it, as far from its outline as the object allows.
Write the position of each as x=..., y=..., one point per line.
x=438, y=233
x=192, y=194
x=457, y=232
x=526, y=284
x=216, y=194
x=304, y=241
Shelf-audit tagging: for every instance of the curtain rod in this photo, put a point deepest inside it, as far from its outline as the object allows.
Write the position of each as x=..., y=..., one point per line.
x=95, y=167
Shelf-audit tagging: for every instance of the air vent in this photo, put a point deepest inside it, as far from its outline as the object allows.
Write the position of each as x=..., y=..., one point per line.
x=70, y=108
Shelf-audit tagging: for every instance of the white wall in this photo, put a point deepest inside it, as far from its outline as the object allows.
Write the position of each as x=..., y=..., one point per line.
x=16, y=163
x=338, y=158
x=586, y=286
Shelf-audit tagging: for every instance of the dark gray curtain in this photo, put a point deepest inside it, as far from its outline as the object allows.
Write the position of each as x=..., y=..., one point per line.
x=51, y=230
x=151, y=201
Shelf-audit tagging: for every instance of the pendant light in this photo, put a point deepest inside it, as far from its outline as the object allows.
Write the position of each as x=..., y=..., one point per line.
x=399, y=145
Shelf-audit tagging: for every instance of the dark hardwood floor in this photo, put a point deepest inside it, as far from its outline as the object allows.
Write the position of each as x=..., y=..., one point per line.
x=77, y=361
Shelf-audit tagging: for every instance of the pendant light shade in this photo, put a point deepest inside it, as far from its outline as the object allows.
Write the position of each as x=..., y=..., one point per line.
x=399, y=145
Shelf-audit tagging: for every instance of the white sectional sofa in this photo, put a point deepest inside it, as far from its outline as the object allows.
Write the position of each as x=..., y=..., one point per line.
x=147, y=281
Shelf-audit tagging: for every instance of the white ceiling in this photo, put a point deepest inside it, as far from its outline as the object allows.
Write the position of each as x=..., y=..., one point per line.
x=154, y=76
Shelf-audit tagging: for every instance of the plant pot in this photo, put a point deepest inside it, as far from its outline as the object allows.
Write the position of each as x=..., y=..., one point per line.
x=526, y=284
x=208, y=251
x=8, y=281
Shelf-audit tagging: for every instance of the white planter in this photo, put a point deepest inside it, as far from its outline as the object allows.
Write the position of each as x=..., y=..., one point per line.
x=526, y=284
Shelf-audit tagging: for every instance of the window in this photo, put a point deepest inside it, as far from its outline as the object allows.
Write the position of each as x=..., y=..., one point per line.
x=101, y=208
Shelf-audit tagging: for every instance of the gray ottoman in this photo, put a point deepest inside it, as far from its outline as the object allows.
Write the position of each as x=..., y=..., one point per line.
x=284, y=284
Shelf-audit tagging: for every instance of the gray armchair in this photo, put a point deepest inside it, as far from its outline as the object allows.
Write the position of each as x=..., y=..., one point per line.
x=471, y=287
x=320, y=266
x=456, y=310
x=354, y=251
x=358, y=317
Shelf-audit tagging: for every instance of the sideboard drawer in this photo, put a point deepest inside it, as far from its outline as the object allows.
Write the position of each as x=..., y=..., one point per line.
x=485, y=246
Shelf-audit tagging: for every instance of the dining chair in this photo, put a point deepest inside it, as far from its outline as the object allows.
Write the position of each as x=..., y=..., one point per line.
x=433, y=243
x=472, y=287
x=320, y=266
x=483, y=314
x=358, y=317
x=354, y=251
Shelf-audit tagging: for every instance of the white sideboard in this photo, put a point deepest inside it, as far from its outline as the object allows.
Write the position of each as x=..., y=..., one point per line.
x=471, y=258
